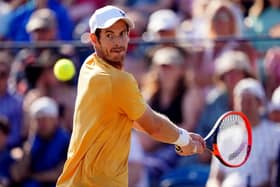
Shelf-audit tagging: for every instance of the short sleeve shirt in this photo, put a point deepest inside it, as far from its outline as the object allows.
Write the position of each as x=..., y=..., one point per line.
x=107, y=103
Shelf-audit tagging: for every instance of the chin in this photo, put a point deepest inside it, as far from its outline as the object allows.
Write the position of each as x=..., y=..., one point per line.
x=118, y=58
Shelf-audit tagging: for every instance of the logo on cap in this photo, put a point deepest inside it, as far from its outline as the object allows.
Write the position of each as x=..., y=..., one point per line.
x=122, y=13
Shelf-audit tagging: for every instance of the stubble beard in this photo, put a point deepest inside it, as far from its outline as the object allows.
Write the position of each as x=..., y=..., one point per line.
x=117, y=63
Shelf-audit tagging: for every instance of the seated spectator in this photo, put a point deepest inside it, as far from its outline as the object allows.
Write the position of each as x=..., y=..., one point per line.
x=263, y=20
x=20, y=16
x=264, y=15
x=249, y=98
x=274, y=106
x=5, y=154
x=271, y=72
x=163, y=88
x=274, y=115
x=42, y=25
x=46, y=148
x=223, y=28
x=11, y=104
x=230, y=68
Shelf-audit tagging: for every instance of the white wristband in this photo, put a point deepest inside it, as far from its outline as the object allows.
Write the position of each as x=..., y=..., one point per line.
x=183, y=139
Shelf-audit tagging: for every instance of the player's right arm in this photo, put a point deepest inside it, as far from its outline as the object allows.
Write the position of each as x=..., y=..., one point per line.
x=160, y=128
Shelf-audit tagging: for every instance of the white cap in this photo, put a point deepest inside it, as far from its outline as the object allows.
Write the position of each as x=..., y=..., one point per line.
x=164, y=19
x=168, y=55
x=106, y=17
x=250, y=85
x=41, y=18
x=232, y=60
x=275, y=100
x=44, y=107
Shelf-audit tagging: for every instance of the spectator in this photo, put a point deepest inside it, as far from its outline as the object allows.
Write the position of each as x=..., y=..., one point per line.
x=194, y=27
x=42, y=25
x=42, y=82
x=11, y=104
x=274, y=115
x=263, y=21
x=5, y=154
x=162, y=24
x=6, y=13
x=5, y=8
x=21, y=15
x=197, y=88
x=230, y=68
x=162, y=27
x=271, y=66
x=46, y=148
x=163, y=89
x=224, y=23
x=274, y=106
x=249, y=98
x=222, y=29
x=264, y=17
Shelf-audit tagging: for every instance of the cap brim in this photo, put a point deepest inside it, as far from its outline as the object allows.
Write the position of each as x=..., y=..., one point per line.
x=35, y=25
x=110, y=22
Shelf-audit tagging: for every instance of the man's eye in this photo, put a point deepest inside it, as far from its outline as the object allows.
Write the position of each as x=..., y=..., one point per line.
x=109, y=36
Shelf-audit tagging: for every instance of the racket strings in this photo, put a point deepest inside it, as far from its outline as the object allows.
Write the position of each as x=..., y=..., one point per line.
x=232, y=139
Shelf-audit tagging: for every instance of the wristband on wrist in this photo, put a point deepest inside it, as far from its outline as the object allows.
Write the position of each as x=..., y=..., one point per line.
x=183, y=139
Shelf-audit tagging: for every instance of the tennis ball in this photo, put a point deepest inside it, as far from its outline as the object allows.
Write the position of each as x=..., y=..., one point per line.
x=64, y=69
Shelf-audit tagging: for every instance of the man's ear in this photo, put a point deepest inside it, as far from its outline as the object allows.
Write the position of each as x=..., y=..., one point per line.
x=93, y=38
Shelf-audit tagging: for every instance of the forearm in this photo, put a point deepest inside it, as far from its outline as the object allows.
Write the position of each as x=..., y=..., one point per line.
x=162, y=129
x=165, y=130
x=158, y=126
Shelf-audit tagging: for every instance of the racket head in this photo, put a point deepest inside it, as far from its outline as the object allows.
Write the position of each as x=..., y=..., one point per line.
x=230, y=140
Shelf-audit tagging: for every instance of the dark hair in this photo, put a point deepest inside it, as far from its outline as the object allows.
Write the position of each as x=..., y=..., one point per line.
x=97, y=33
x=4, y=125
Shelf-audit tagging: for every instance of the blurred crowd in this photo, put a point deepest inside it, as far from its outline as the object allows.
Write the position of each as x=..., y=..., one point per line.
x=193, y=60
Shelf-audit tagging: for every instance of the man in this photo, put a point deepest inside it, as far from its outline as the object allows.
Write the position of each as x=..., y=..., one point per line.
x=11, y=104
x=6, y=159
x=42, y=25
x=249, y=98
x=45, y=150
x=108, y=106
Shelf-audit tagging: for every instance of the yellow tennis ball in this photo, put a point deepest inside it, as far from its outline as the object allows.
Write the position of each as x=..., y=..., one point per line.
x=64, y=69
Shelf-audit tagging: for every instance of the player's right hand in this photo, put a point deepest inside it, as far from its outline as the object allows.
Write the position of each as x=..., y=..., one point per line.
x=196, y=145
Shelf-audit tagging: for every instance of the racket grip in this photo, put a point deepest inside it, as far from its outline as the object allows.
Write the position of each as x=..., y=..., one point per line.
x=178, y=148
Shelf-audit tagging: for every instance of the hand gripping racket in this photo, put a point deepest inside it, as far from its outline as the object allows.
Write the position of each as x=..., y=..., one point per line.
x=230, y=139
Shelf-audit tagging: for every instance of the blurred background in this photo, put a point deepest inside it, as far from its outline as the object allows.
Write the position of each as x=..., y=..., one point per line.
x=187, y=56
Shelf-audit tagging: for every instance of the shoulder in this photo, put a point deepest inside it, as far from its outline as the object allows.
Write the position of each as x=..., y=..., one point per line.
x=123, y=76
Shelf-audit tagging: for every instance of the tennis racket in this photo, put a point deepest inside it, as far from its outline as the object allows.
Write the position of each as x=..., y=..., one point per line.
x=230, y=140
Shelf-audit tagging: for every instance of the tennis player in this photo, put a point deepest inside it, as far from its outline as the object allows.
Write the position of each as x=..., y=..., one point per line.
x=108, y=106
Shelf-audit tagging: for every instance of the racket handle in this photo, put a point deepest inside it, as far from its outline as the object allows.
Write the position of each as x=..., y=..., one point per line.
x=178, y=149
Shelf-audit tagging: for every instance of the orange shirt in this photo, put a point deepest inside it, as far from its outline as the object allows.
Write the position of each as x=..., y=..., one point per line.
x=107, y=103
